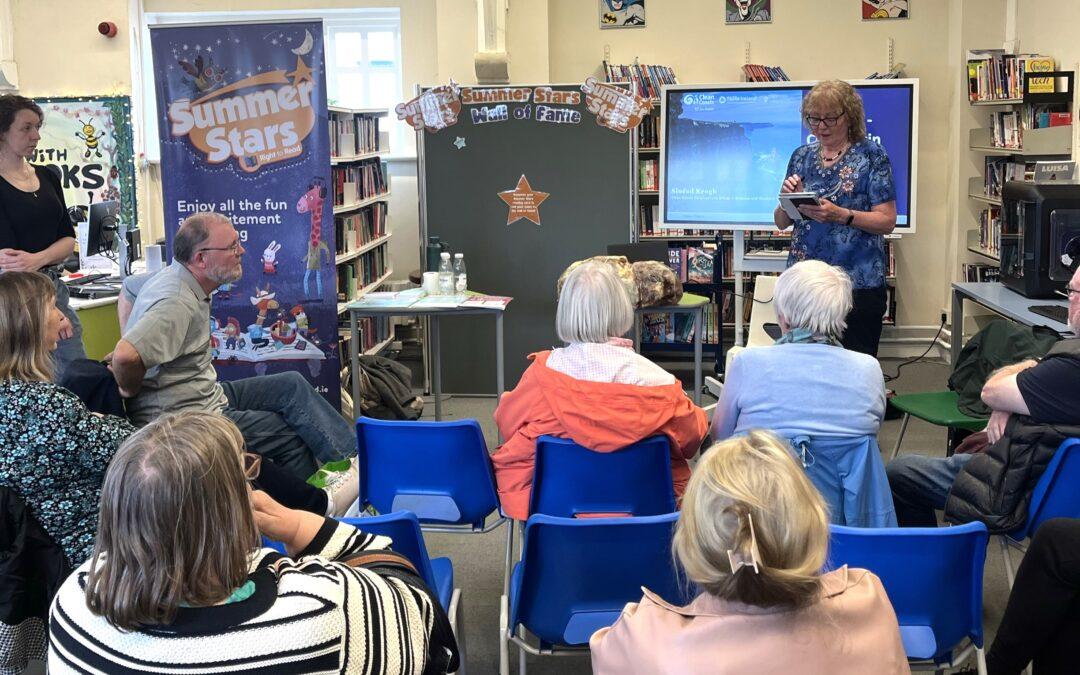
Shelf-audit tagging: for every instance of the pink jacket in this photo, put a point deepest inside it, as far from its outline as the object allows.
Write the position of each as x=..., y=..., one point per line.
x=852, y=630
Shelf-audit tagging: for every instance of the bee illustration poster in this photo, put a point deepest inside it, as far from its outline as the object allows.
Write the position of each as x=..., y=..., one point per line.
x=244, y=132
x=87, y=142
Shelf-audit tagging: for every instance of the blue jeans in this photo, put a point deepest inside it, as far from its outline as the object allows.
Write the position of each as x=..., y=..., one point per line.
x=283, y=419
x=920, y=485
x=72, y=348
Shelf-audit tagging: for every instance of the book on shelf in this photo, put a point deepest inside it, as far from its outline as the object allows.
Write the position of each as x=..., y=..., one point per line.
x=999, y=170
x=994, y=75
x=649, y=133
x=357, y=182
x=358, y=228
x=648, y=174
x=353, y=134
x=981, y=272
x=758, y=73
x=364, y=270
x=699, y=264
x=990, y=230
x=644, y=80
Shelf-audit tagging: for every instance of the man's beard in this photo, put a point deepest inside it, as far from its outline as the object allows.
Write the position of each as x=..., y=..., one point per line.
x=225, y=275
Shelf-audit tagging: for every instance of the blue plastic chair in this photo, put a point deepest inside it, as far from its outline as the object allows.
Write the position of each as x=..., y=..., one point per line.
x=934, y=579
x=570, y=480
x=576, y=576
x=441, y=471
x=1056, y=495
x=849, y=474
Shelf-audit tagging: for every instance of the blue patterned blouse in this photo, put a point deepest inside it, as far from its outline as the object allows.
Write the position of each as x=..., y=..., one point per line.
x=861, y=179
x=55, y=453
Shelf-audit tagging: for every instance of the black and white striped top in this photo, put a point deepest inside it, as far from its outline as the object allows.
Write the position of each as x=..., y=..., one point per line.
x=307, y=615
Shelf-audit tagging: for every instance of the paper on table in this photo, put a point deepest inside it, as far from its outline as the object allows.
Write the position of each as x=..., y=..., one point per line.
x=434, y=301
x=406, y=298
x=487, y=301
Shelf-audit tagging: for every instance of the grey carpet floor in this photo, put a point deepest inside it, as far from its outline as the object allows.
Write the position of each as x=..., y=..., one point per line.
x=478, y=559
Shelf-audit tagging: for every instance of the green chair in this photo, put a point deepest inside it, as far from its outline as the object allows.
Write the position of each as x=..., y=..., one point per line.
x=936, y=407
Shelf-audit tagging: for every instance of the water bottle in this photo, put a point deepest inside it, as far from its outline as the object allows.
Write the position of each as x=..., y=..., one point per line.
x=446, y=275
x=460, y=276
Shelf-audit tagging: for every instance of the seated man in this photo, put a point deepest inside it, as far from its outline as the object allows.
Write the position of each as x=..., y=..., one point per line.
x=1045, y=391
x=163, y=361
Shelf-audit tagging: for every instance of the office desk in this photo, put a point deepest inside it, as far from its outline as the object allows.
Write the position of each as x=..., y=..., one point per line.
x=996, y=297
x=357, y=311
x=690, y=304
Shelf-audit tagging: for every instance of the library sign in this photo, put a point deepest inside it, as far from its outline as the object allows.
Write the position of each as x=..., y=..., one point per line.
x=244, y=132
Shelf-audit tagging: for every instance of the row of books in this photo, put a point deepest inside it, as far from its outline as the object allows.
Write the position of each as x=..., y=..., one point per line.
x=648, y=174
x=356, y=182
x=758, y=73
x=1000, y=170
x=352, y=134
x=353, y=230
x=645, y=80
x=990, y=230
x=364, y=270
x=678, y=327
x=649, y=132
x=981, y=272
x=1006, y=130
x=994, y=75
x=648, y=225
x=1047, y=115
x=693, y=264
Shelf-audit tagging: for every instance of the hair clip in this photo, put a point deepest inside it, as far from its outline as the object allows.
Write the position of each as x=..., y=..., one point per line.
x=738, y=560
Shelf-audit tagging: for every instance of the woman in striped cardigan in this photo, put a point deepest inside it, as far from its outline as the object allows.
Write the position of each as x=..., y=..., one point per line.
x=178, y=581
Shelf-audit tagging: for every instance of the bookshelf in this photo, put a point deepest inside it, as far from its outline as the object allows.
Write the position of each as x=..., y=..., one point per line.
x=1024, y=108
x=360, y=191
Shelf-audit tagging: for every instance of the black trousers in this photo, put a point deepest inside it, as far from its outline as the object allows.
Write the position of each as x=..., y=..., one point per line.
x=1042, y=619
x=864, y=320
x=288, y=490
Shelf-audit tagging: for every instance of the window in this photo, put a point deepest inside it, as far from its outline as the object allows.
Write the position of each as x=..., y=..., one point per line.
x=363, y=58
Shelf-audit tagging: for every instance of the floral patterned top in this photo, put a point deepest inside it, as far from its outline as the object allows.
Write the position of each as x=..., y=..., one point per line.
x=861, y=179
x=55, y=452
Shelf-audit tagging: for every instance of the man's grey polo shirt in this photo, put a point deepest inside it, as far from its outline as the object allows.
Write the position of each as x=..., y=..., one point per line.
x=170, y=328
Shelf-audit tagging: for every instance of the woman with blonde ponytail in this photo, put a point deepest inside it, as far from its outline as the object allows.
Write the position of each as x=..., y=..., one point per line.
x=753, y=538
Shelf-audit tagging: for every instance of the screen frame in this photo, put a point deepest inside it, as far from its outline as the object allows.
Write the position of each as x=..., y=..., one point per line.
x=913, y=165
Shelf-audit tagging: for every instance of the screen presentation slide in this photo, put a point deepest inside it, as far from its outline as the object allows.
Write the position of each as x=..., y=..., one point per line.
x=727, y=150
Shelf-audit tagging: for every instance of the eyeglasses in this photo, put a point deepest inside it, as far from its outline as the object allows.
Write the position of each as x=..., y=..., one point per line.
x=231, y=248
x=1069, y=290
x=252, y=465
x=829, y=122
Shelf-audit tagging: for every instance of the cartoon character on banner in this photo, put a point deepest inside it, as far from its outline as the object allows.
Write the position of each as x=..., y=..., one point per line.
x=215, y=344
x=885, y=9
x=300, y=319
x=264, y=302
x=269, y=257
x=91, y=137
x=203, y=74
x=282, y=332
x=748, y=11
x=312, y=203
x=232, y=333
x=619, y=13
x=112, y=187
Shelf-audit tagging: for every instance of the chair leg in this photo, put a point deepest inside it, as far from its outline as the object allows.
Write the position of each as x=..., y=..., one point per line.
x=900, y=438
x=457, y=623
x=1010, y=574
x=509, y=557
x=504, y=636
x=980, y=660
x=521, y=654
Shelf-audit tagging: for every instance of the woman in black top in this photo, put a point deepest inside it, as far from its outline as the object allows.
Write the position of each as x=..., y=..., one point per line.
x=35, y=230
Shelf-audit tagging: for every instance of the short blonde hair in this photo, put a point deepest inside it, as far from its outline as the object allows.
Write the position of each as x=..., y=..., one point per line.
x=831, y=94
x=756, y=476
x=593, y=305
x=176, y=525
x=814, y=295
x=26, y=301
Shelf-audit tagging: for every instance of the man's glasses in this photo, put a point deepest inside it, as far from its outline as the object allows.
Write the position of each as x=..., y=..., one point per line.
x=252, y=465
x=829, y=122
x=231, y=248
x=1069, y=290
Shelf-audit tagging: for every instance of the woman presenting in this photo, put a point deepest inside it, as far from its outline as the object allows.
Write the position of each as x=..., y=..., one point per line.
x=35, y=230
x=853, y=179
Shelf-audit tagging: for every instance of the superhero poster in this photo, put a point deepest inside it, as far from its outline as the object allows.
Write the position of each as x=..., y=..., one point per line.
x=622, y=13
x=244, y=132
x=884, y=9
x=747, y=11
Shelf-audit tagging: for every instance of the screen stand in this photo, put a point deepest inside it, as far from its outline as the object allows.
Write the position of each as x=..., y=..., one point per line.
x=718, y=292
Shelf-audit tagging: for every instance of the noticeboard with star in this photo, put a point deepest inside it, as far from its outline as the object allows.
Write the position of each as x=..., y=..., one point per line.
x=524, y=202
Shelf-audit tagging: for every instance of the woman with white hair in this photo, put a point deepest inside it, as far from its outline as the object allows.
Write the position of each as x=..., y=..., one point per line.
x=596, y=391
x=806, y=383
x=753, y=536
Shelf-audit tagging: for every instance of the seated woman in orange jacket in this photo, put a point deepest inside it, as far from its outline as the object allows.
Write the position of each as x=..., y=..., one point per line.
x=596, y=391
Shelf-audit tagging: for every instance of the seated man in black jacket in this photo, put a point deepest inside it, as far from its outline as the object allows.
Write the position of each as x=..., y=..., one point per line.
x=1046, y=392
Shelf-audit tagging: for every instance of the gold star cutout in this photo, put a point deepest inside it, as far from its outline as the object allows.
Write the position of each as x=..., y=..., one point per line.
x=301, y=73
x=524, y=202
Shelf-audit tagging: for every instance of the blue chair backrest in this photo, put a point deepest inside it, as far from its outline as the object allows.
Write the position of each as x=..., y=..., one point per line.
x=404, y=529
x=849, y=474
x=440, y=471
x=576, y=575
x=1057, y=494
x=933, y=576
x=570, y=480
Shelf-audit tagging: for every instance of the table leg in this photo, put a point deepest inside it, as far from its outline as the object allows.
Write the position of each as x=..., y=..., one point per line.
x=956, y=328
x=637, y=332
x=697, y=355
x=354, y=361
x=436, y=367
x=500, y=368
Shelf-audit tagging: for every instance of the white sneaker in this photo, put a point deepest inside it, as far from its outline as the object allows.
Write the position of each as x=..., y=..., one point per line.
x=342, y=489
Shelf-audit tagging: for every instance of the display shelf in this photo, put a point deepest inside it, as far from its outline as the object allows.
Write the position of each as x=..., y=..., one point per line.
x=352, y=255
x=377, y=349
x=1036, y=142
x=358, y=158
x=345, y=208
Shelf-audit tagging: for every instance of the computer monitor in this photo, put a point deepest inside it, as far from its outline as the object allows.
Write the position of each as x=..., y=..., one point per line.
x=104, y=223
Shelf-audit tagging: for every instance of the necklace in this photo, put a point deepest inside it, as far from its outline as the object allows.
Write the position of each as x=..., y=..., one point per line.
x=821, y=154
x=24, y=175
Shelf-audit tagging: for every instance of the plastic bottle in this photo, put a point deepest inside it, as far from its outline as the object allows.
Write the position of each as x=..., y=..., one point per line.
x=446, y=275
x=460, y=276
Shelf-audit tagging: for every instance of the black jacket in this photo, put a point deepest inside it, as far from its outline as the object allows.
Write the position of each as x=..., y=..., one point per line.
x=32, y=565
x=995, y=487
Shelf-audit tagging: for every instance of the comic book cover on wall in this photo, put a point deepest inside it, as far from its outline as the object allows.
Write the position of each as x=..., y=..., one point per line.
x=244, y=132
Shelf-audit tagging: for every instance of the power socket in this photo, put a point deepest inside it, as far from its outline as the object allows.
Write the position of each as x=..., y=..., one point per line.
x=944, y=317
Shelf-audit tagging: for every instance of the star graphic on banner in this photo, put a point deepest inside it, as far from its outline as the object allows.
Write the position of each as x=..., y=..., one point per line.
x=524, y=202
x=459, y=142
x=301, y=73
